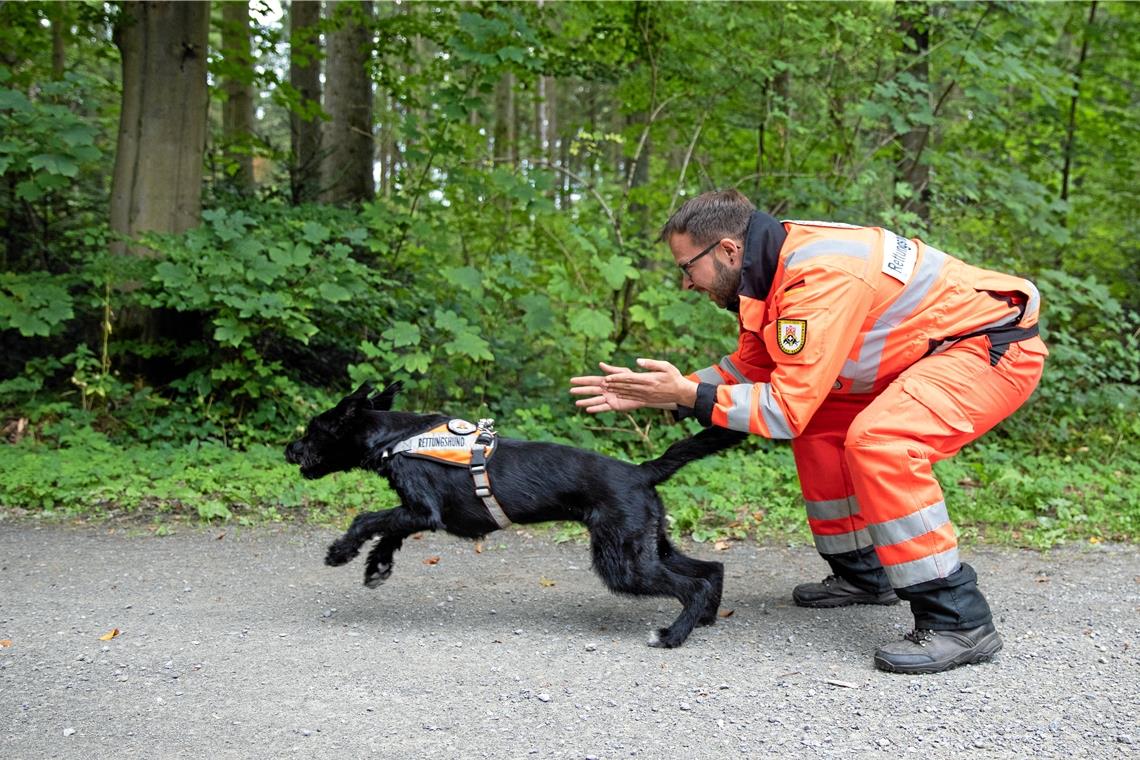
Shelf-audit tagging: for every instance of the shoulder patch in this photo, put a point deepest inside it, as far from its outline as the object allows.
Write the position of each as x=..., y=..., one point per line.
x=791, y=334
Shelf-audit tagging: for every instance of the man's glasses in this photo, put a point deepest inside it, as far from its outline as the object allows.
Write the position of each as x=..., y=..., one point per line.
x=690, y=262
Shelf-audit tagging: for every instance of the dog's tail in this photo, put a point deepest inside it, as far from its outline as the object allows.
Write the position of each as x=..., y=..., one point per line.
x=707, y=442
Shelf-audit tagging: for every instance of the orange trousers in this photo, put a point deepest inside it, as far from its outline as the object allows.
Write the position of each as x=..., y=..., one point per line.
x=865, y=462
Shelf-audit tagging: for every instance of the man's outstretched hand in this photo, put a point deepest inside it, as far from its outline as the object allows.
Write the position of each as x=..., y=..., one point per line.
x=621, y=389
x=601, y=400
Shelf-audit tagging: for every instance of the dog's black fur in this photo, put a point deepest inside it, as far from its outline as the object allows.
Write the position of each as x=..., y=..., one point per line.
x=534, y=482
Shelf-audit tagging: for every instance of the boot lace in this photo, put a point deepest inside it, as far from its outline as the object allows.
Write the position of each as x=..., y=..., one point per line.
x=920, y=636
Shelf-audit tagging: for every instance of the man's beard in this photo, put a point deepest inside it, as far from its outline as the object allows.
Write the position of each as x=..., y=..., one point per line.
x=725, y=288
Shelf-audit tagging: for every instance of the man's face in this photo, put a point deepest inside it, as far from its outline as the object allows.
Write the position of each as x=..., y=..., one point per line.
x=716, y=273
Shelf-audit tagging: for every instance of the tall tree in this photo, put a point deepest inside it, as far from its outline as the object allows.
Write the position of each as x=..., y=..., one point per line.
x=157, y=181
x=237, y=109
x=914, y=24
x=305, y=78
x=346, y=164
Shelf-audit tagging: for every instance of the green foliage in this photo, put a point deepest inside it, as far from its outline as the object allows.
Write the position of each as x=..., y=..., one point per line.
x=83, y=474
x=493, y=266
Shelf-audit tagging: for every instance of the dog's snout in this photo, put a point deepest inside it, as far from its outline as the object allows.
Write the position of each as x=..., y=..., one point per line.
x=293, y=453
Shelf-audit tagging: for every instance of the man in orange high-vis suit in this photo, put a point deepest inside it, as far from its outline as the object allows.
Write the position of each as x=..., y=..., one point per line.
x=876, y=356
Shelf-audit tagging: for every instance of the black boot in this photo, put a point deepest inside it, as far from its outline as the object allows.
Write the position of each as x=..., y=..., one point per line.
x=926, y=651
x=835, y=591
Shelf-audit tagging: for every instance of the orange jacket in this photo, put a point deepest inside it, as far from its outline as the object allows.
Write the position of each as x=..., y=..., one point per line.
x=842, y=309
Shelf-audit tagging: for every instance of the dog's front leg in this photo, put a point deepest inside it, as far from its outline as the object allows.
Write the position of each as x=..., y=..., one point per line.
x=364, y=528
x=380, y=561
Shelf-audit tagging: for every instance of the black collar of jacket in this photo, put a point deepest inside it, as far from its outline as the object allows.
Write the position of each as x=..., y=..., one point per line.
x=763, y=239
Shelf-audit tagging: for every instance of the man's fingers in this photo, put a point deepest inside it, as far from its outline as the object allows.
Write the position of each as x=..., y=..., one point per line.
x=587, y=380
x=655, y=365
x=582, y=390
x=610, y=369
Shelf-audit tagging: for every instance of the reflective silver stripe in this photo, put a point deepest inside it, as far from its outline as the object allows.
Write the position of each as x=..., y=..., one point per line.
x=922, y=570
x=774, y=418
x=709, y=375
x=740, y=413
x=832, y=509
x=727, y=365
x=851, y=248
x=864, y=371
x=910, y=526
x=844, y=542
x=1034, y=299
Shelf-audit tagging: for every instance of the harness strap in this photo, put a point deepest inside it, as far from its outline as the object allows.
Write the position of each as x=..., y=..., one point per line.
x=484, y=440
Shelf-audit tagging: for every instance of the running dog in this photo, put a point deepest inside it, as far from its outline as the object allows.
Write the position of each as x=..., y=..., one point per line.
x=499, y=481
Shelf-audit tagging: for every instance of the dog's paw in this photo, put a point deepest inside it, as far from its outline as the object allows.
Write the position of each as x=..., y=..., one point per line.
x=376, y=578
x=663, y=638
x=340, y=554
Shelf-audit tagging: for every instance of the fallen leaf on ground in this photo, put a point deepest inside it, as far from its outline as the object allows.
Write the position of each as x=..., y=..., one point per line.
x=431, y=561
x=478, y=547
x=721, y=546
x=5, y=643
x=545, y=582
x=109, y=634
x=726, y=613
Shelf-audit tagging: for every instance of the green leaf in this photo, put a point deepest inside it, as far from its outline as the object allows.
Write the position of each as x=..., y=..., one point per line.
x=331, y=291
x=403, y=334
x=590, y=323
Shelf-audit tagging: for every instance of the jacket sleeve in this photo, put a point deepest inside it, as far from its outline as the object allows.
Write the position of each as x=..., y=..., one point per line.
x=817, y=321
x=749, y=363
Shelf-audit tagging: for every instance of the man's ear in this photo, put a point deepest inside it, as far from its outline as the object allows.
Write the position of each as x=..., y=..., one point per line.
x=382, y=402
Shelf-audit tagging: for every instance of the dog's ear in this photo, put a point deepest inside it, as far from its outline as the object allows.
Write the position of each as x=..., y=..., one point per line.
x=382, y=402
x=362, y=392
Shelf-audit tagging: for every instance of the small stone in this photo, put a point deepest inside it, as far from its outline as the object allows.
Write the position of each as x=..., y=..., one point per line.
x=69, y=732
x=591, y=647
x=543, y=697
x=686, y=706
x=884, y=742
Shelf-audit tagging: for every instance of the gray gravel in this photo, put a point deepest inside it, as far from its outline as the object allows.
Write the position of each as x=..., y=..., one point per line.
x=242, y=644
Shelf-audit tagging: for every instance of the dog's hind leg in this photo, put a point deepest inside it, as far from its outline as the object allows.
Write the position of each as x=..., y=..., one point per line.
x=713, y=572
x=632, y=565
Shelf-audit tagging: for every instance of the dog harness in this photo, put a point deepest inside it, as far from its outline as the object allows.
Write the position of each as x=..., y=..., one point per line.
x=460, y=444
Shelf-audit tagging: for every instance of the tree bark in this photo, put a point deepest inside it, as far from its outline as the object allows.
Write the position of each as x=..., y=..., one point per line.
x=237, y=110
x=305, y=78
x=346, y=166
x=157, y=180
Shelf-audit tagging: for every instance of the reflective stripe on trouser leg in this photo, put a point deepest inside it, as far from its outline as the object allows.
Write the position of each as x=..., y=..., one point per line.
x=933, y=409
x=833, y=514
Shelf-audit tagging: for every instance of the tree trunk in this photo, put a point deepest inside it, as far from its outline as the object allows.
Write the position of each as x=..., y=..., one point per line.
x=506, y=139
x=237, y=110
x=305, y=78
x=1071, y=128
x=914, y=23
x=157, y=181
x=346, y=166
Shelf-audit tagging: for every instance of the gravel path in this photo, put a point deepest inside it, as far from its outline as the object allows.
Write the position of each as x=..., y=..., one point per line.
x=242, y=644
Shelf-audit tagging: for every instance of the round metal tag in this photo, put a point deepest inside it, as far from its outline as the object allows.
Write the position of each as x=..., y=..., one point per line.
x=461, y=427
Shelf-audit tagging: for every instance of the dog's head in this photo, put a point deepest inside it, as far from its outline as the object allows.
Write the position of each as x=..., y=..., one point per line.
x=335, y=440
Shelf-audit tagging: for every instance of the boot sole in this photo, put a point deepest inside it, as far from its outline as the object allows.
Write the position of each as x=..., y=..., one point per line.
x=849, y=601
x=985, y=651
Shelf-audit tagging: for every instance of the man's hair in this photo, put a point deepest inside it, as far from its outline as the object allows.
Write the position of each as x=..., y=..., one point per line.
x=710, y=216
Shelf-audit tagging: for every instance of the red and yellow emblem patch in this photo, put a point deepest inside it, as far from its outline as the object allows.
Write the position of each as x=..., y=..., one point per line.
x=791, y=335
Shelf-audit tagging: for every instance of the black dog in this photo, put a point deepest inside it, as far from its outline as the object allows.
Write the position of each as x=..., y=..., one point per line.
x=533, y=482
